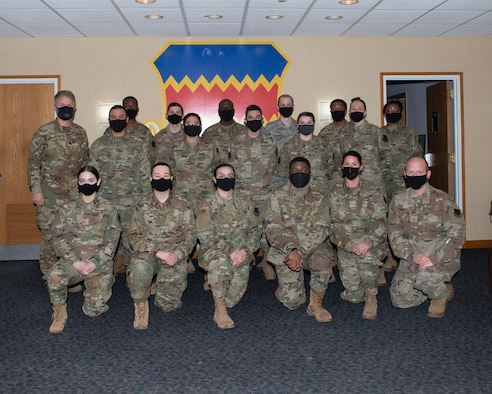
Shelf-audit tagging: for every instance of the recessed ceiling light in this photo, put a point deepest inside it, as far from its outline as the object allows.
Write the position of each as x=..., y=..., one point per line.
x=274, y=17
x=333, y=17
x=154, y=17
x=282, y=1
x=348, y=2
x=145, y=1
x=213, y=16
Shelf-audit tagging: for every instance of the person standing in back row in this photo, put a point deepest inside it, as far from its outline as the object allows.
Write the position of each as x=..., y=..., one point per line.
x=57, y=151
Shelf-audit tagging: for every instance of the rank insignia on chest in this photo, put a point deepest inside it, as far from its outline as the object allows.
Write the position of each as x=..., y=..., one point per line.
x=385, y=138
x=352, y=204
x=414, y=219
x=257, y=211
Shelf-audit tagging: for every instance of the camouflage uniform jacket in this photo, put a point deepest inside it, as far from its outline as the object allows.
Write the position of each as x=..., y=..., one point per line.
x=255, y=161
x=358, y=215
x=227, y=225
x=124, y=166
x=316, y=151
x=397, y=145
x=280, y=134
x=431, y=224
x=332, y=135
x=55, y=157
x=223, y=137
x=145, y=133
x=192, y=167
x=365, y=140
x=168, y=226
x=296, y=219
x=87, y=232
x=164, y=140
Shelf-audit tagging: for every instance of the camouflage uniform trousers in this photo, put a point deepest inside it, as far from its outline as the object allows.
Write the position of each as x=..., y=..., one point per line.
x=45, y=216
x=227, y=281
x=97, y=291
x=171, y=282
x=125, y=216
x=411, y=286
x=260, y=204
x=291, y=291
x=358, y=274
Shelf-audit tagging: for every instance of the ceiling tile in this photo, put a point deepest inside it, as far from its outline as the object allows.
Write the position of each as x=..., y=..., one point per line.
x=104, y=29
x=50, y=30
x=372, y=29
x=448, y=17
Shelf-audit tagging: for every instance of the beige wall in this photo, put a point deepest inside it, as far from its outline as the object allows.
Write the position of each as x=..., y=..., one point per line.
x=105, y=70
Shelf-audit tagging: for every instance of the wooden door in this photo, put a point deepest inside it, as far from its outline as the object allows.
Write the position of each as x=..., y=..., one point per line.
x=439, y=135
x=24, y=107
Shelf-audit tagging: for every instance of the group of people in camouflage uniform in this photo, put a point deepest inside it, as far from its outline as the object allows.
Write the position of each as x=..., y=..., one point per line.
x=355, y=195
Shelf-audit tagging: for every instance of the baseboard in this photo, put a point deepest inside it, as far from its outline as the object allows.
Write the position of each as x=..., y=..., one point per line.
x=481, y=244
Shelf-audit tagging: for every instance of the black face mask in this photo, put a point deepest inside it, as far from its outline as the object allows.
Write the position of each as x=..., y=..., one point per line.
x=357, y=116
x=226, y=184
x=416, y=182
x=393, y=117
x=192, y=130
x=350, y=172
x=87, y=189
x=117, y=125
x=299, y=179
x=65, y=113
x=161, y=185
x=305, y=129
x=286, y=111
x=338, y=116
x=254, y=125
x=226, y=115
x=174, y=119
x=131, y=113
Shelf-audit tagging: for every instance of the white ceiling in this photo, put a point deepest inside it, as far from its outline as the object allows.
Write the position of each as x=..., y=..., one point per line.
x=243, y=18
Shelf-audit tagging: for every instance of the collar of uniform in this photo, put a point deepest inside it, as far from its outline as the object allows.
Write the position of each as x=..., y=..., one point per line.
x=304, y=193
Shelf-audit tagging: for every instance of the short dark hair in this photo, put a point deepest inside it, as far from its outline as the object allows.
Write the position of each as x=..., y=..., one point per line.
x=161, y=163
x=224, y=165
x=397, y=102
x=253, y=107
x=338, y=100
x=306, y=113
x=354, y=154
x=300, y=159
x=129, y=98
x=90, y=169
x=192, y=114
x=117, y=106
x=174, y=104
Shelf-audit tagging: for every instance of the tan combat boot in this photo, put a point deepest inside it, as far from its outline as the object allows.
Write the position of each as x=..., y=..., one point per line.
x=370, y=311
x=381, y=277
x=390, y=264
x=221, y=317
x=315, y=308
x=437, y=308
x=269, y=271
x=118, y=264
x=141, y=321
x=59, y=319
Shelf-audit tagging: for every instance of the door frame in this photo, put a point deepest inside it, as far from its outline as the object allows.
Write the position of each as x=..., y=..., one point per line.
x=26, y=252
x=456, y=79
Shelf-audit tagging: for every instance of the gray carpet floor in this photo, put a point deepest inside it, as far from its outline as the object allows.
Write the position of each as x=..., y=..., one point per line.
x=271, y=350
